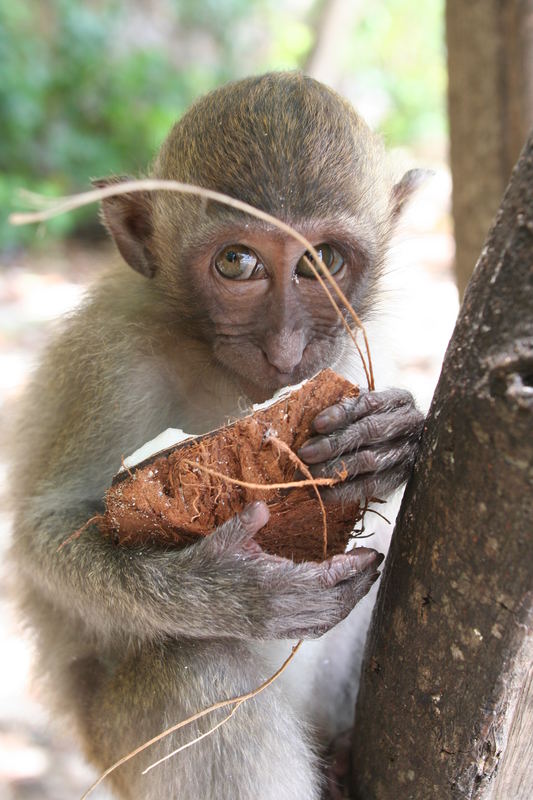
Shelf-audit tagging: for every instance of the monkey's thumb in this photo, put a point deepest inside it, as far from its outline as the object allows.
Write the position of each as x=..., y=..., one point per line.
x=254, y=516
x=240, y=529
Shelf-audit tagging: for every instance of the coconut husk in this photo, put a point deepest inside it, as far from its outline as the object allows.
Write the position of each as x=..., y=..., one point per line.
x=170, y=499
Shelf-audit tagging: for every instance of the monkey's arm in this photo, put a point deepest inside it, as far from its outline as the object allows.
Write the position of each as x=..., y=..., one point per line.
x=223, y=586
x=87, y=405
x=374, y=437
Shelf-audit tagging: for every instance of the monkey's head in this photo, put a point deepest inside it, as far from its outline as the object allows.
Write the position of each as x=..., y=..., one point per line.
x=289, y=146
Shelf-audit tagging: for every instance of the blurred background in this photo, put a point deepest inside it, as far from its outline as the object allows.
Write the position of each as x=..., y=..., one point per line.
x=91, y=88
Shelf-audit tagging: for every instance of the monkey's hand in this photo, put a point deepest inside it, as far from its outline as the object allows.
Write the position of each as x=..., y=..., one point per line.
x=281, y=599
x=372, y=439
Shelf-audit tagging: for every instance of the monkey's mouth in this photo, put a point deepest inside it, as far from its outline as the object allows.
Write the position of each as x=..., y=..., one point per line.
x=268, y=379
x=281, y=379
x=278, y=378
x=259, y=379
x=261, y=385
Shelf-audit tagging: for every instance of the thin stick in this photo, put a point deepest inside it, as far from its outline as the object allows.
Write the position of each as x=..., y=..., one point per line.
x=369, y=370
x=373, y=511
x=123, y=464
x=194, y=741
x=221, y=704
x=263, y=486
x=152, y=184
x=313, y=482
x=77, y=533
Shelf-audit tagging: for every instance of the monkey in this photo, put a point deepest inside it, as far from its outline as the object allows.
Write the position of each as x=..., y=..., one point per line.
x=208, y=306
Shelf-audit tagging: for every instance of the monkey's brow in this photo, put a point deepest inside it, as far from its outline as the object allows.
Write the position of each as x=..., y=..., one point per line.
x=351, y=234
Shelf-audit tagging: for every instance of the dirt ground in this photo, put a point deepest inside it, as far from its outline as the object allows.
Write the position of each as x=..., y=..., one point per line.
x=38, y=759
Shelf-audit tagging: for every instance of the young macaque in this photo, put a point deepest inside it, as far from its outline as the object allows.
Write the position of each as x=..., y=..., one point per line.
x=219, y=310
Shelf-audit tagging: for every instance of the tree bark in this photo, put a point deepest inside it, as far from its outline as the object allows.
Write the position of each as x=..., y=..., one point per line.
x=490, y=98
x=446, y=699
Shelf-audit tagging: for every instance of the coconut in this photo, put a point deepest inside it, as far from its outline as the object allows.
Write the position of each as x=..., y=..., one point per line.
x=183, y=492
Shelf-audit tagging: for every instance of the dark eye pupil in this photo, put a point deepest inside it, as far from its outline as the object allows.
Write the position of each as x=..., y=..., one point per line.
x=232, y=256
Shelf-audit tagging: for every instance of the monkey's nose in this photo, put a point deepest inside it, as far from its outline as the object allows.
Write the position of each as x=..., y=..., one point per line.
x=284, y=350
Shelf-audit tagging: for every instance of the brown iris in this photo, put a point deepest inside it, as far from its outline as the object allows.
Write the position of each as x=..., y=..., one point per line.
x=330, y=257
x=238, y=263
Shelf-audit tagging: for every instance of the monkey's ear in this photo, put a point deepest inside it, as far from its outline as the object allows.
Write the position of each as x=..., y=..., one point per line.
x=128, y=218
x=406, y=187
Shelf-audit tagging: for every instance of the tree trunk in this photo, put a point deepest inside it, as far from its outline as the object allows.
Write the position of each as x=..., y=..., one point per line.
x=445, y=705
x=490, y=97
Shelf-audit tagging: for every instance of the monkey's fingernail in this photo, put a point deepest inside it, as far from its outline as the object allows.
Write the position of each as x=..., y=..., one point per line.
x=255, y=514
x=329, y=419
x=315, y=450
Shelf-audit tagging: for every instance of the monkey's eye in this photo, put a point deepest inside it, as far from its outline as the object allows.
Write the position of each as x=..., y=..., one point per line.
x=331, y=258
x=238, y=263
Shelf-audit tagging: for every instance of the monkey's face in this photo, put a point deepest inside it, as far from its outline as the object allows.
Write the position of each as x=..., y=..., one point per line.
x=267, y=319
x=291, y=147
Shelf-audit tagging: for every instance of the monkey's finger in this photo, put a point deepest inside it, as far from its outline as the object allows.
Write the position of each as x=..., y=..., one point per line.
x=340, y=601
x=352, y=409
x=349, y=593
x=239, y=530
x=379, y=484
x=369, y=460
x=310, y=577
x=367, y=431
x=309, y=598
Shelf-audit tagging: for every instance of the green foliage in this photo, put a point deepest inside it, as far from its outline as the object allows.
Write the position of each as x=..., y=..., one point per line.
x=86, y=91
x=74, y=104
x=398, y=50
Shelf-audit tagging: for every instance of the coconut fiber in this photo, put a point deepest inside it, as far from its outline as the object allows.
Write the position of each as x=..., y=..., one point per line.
x=167, y=499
